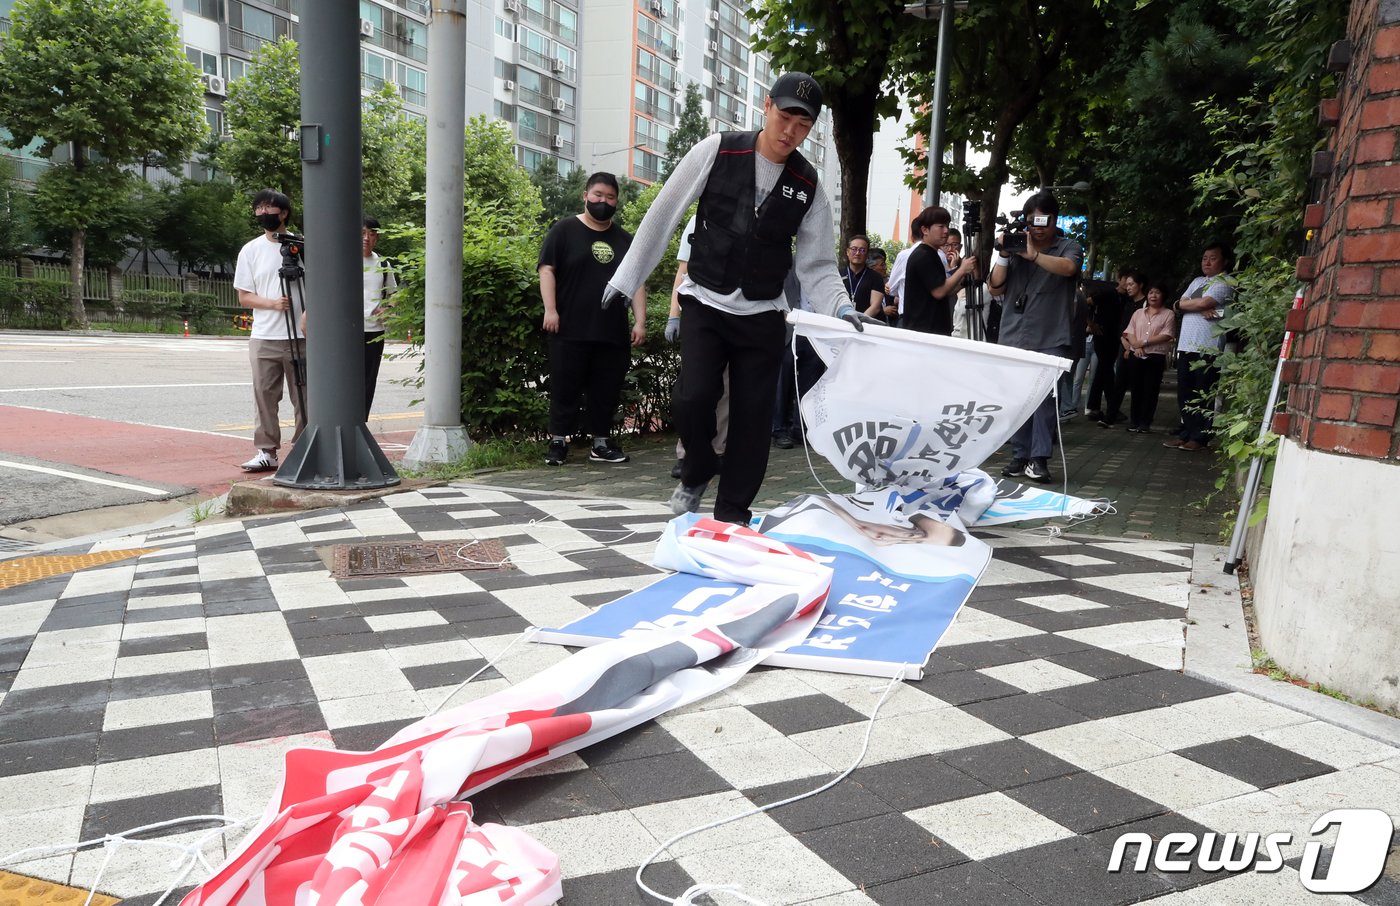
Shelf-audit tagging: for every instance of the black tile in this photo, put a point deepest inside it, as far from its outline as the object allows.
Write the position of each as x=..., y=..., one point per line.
x=938, y=663
x=841, y=804
x=160, y=684
x=163, y=644
x=35, y=755
x=1084, y=803
x=549, y=797
x=1157, y=828
x=619, y=888
x=1008, y=763
x=103, y=818
x=639, y=742
x=1105, y=698
x=82, y=617
x=436, y=676
x=223, y=590
x=158, y=896
x=1386, y=890
x=1101, y=664
x=964, y=884
x=1073, y=872
x=165, y=739
x=265, y=672
x=965, y=686
x=368, y=737
x=13, y=652
x=900, y=849
x=267, y=604
x=71, y=695
x=806, y=712
x=914, y=783
x=255, y=696
x=1021, y=715
x=322, y=646
x=7, y=679
x=182, y=588
x=1255, y=761
x=484, y=629
x=49, y=723
x=660, y=778
x=985, y=654
x=340, y=624
x=161, y=614
x=268, y=723
x=418, y=635
x=1168, y=687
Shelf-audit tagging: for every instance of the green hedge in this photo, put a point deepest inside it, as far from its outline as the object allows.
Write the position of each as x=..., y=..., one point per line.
x=33, y=304
x=199, y=309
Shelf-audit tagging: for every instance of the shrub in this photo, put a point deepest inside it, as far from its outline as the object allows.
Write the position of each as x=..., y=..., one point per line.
x=33, y=304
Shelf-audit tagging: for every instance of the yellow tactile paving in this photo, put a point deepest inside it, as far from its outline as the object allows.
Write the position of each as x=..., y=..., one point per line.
x=20, y=890
x=31, y=569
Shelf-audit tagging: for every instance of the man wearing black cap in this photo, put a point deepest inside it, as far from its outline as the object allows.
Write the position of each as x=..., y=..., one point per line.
x=757, y=194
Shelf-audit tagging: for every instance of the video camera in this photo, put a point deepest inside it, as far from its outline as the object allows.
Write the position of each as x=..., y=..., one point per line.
x=972, y=218
x=1013, y=237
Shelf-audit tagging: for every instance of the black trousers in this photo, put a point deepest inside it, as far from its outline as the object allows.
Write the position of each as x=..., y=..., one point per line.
x=1145, y=384
x=374, y=354
x=751, y=347
x=595, y=371
x=1107, y=352
x=1195, y=390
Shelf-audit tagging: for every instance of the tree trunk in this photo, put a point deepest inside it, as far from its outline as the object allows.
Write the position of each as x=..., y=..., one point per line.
x=853, y=127
x=76, y=254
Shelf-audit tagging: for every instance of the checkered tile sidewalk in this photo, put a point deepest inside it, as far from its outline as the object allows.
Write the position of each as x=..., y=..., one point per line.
x=1053, y=718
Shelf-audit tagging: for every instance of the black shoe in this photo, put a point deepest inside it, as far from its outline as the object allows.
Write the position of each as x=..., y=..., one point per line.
x=1014, y=469
x=1094, y=415
x=558, y=453
x=782, y=440
x=676, y=469
x=1105, y=423
x=1039, y=472
x=607, y=451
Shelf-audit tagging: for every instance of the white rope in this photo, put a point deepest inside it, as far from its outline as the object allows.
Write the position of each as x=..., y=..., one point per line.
x=1064, y=463
x=188, y=855
x=529, y=633
x=688, y=897
x=802, y=420
x=555, y=553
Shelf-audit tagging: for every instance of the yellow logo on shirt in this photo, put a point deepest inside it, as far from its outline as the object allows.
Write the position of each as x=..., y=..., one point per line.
x=602, y=252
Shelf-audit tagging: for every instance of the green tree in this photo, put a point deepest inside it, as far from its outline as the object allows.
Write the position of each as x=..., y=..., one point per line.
x=493, y=176
x=16, y=222
x=394, y=151
x=202, y=224
x=691, y=129
x=560, y=193
x=108, y=80
x=262, y=114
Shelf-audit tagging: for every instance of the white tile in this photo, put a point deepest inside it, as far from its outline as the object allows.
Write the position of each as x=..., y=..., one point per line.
x=61, y=674
x=1367, y=786
x=216, y=529
x=1000, y=572
x=383, y=594
x=782, y=870
x=1170, y=728
x=153, y=664
x=280, y=535
x=522, y=661
x=1148, y=551
x=538, y=560
x=1060, y=603
x=1093, y=745
x=1167, y=655
x=1165, y=588
x=158, y=582
x=667, y=819
x=407, y=499
x=67, y=645
x=542, y=605
x=151, y=602
x=1243, y=713
x=1078, y=560
x=162, y=628
x=862, y=693
x=590, y=844
x=100, y=581
x=50, y=827
x=438, y=585
x=157, y=774
x=299, y=591
x=760, y=763
x=988, y=825
x=317, y=522
x=231, y=565
x=146, y=565
x=23, y=620
x=122, y=714
x=344, y=534
x=43, y=790
x=456, y=651
x=371, y=709
x=135, y=869
x=124, y=543
x=1176, y=782
x=1038, y=675
x=407, y=620
x=988, y=629
x=718, y=728
x=249, y=638
x=1122, y=637
x=760, y=686
x=252, y=771
x=437, y=699
x=354, y=674
x=945, y=729
x=372, y=523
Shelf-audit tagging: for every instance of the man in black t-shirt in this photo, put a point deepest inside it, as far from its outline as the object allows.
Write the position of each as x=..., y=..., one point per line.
x=865, y=287
x=588, y=352
x=929, y=285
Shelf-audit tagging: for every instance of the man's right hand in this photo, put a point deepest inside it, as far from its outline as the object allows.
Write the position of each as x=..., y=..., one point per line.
x=673, y=329
x=551, y=322
x=281, y=303
x=613, y=296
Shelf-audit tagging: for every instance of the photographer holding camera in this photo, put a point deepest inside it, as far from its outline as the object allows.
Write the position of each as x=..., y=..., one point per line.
x=1036, y=269
x=277, y=345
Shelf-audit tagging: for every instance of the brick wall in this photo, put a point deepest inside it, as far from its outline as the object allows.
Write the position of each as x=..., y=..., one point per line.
x=1344, y=379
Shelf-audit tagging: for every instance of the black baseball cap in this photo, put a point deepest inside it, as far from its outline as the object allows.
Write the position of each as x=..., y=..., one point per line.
x=797, y=91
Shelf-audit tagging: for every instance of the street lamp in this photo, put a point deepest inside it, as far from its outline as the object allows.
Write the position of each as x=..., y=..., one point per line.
x=1080, y=187
x=926, y=10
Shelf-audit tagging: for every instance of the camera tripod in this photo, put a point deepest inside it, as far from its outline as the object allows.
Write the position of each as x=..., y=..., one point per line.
x=974, y=305
x=293, y=275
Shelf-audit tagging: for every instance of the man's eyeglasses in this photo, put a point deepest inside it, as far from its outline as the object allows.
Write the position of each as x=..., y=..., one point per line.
x=857, y=250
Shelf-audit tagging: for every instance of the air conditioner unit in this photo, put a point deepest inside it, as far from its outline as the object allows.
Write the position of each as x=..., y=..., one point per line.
x=558, y=105
x=720, y=81
x=712, y=16
x=658, y=8
x=367, y=28
x=739, y=117
x=213, y=85
x=512, y=6
x=675, y=53
x=558, y=141
x=508, y=84
x=675, y=86
x=556, y=65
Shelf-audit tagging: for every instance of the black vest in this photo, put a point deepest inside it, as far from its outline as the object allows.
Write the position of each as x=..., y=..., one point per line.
x=736, y=246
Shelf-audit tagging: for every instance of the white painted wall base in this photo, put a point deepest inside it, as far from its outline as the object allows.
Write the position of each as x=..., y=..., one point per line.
x=1327, y=576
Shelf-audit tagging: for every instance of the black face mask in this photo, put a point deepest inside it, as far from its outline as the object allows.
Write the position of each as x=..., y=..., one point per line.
x=270, y=221
x=601, y=210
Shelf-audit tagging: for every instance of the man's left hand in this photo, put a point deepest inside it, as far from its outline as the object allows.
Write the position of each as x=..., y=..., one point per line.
x=613, y=296
x=857, y=320
x=639, y=333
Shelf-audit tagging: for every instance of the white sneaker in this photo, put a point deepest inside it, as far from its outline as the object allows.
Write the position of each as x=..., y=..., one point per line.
x=265, y=461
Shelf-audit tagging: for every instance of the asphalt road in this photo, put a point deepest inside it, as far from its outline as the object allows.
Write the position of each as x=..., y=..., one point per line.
x=161, y=413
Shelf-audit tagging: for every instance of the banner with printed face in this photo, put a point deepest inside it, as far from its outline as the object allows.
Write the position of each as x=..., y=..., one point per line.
x=902, y=409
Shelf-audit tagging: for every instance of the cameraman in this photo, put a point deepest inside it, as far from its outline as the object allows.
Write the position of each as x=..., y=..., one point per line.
x=258, y=280
x=1037, y=314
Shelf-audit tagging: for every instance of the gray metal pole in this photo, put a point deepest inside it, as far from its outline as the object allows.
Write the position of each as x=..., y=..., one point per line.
x=442, y=438
x=336, y=450
x=940, y=104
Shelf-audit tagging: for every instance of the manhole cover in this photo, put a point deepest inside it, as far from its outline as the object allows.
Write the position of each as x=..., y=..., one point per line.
x=406, y=558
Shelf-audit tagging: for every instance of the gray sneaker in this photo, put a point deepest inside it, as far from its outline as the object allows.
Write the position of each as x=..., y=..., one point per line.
x=686, y=499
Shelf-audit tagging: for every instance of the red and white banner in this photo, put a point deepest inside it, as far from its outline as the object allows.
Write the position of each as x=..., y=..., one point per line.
x=387, y=827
